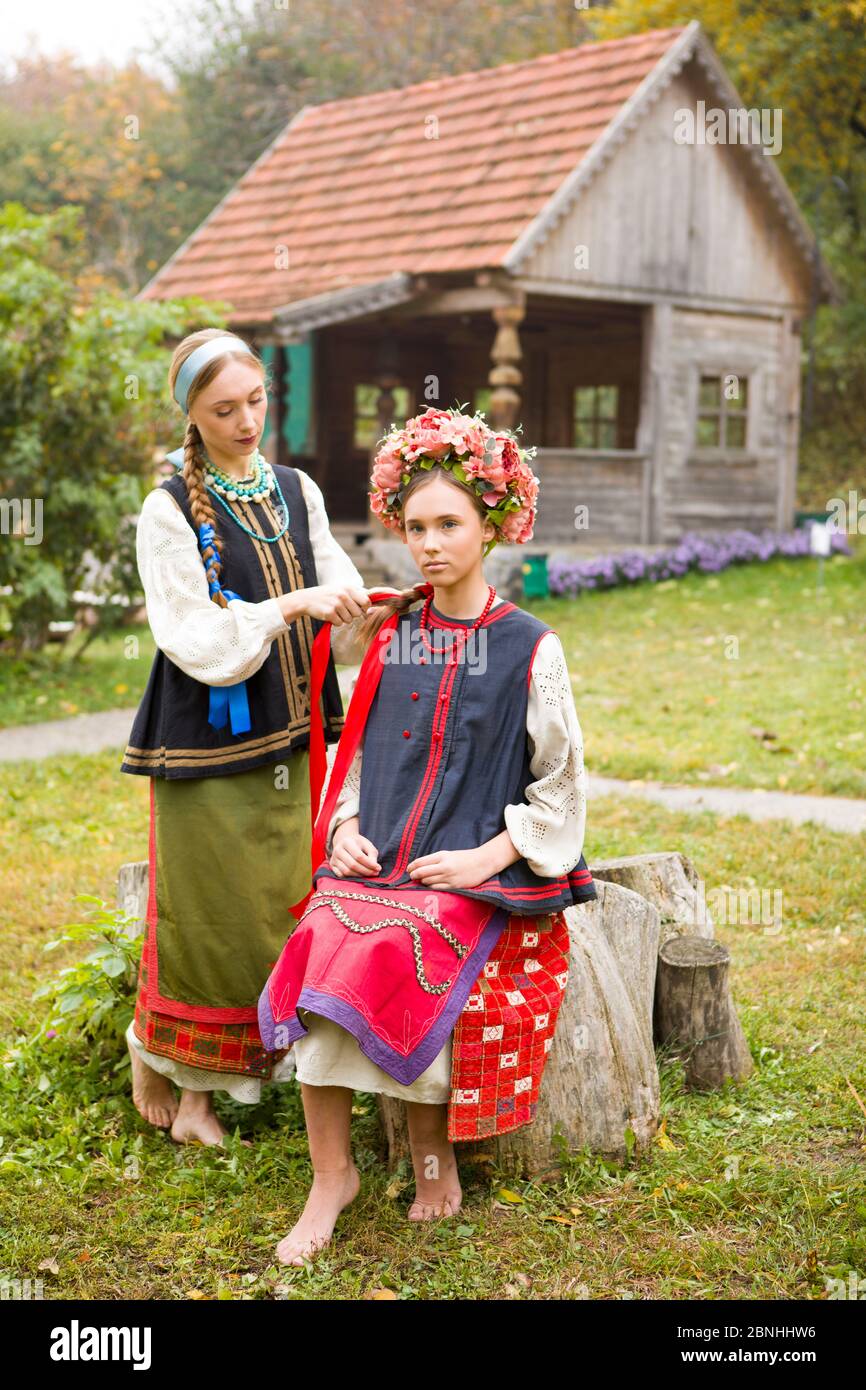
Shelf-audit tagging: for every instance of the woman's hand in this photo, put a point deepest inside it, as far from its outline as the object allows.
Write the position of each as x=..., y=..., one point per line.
x=331, y=603
x=451, y=868
x=353, y=854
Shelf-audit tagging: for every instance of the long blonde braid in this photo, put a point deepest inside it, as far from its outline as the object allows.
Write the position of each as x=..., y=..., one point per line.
x=201, y=505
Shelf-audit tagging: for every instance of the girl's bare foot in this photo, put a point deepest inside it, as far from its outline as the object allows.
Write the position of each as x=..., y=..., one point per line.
x=196, y=1122
x=332, y=1190
x=437, y=1184
x=152, y=1094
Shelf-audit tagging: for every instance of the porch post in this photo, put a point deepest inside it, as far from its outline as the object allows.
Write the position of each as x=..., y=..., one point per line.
x=788, y=416
x=651, y=430
x=505, y=377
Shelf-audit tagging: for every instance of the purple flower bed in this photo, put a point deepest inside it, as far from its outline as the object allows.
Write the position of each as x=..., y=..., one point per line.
x=708, y=553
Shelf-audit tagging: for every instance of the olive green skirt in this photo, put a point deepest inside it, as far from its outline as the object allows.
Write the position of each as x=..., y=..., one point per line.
x=232, y=854
x=228, y=856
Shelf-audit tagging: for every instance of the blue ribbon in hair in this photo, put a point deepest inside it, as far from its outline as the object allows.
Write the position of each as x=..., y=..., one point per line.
x=227, y=702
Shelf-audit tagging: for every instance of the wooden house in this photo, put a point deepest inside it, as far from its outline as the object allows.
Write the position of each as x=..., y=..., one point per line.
x=596, y=244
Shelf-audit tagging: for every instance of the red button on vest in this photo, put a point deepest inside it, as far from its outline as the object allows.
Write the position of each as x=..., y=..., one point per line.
x=414, y=694
x=405, y=733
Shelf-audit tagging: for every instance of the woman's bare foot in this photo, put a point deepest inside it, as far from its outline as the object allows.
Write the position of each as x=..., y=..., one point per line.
x=437, y=1184
x=152, y=1094
x=196, y=1122
x=331, y=1191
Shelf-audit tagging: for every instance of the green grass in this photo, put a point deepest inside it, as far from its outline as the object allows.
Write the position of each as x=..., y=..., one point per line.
x=52, y=684
x=760, y=1196
x=753, y=677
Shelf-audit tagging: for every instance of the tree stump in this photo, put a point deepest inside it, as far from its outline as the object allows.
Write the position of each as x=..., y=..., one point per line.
x=695, y=1017
x=600, y=1083
x=132, y=893
x=671, y=882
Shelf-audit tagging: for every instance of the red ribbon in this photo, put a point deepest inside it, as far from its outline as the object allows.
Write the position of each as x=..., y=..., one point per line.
x=356, y=720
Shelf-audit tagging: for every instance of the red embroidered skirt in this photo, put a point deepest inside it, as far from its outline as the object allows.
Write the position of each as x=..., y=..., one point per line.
x=504, y=1034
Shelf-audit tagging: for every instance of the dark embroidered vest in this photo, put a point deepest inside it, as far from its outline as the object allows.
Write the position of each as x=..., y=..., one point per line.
x=445, y=750
x=171, y=736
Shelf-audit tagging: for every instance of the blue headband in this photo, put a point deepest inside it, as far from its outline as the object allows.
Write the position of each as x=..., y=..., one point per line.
x=193, y=364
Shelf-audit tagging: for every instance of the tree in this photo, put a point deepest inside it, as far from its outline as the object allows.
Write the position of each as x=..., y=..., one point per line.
x=83, y=406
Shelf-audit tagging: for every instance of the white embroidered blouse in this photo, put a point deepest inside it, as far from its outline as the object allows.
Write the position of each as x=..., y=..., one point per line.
x=221, y=646
x=548, y=828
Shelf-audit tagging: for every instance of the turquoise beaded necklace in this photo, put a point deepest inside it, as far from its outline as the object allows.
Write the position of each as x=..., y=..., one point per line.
x=269, y=540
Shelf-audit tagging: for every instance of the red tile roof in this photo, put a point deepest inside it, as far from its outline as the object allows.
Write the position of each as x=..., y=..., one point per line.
x=355, y=190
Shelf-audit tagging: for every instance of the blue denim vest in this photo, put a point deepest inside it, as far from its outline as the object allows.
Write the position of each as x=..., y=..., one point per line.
x=445, y=751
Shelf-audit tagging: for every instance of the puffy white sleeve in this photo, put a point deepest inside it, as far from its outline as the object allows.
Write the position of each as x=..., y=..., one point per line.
x=349, y=800
x=548, y=828
x=333, y=566
x=219, y=646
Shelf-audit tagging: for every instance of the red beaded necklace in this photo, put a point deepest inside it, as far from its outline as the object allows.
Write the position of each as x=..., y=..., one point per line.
x=462, y=633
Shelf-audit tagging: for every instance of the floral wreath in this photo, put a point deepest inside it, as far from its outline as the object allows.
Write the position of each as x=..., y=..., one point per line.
x=490, y=461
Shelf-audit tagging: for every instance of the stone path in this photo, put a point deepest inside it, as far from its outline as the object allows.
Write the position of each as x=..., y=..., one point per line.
x=836, y=812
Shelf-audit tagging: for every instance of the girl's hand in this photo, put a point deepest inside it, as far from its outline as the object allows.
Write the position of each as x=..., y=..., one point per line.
x=451, y=868
x=353, y=854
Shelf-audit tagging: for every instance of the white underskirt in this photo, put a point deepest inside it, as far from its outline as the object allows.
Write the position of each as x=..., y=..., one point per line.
x=327, y=1055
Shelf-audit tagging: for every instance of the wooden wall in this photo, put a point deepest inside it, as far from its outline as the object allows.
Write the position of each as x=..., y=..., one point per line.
x=658, y=483
x=610, y=487
x=704, y=489
x=665, y=218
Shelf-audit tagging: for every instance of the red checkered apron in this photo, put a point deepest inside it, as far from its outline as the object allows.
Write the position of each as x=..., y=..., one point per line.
x=505, y=1032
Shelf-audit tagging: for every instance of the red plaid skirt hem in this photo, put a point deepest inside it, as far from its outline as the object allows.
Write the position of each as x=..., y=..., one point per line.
x=230, y=1047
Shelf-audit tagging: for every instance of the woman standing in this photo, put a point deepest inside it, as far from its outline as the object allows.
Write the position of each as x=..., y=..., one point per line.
x=239, y=571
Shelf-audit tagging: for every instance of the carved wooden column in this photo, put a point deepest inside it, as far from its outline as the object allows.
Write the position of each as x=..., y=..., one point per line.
x=505, y=376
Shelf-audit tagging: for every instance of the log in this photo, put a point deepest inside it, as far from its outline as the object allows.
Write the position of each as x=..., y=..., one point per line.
x=695, y=1017
x=670, y=881
x=600, y=1087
